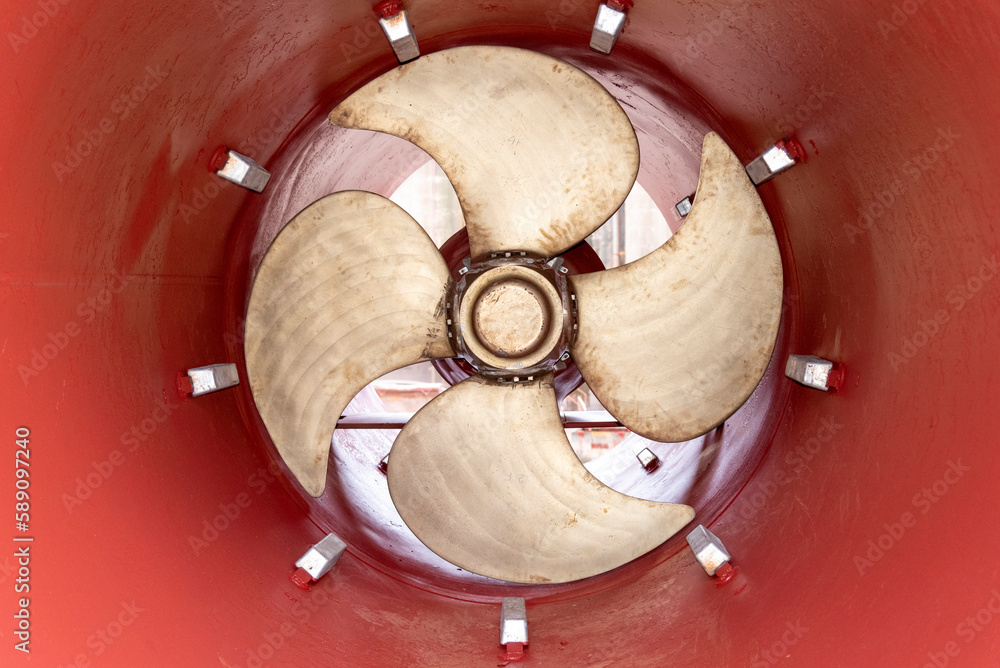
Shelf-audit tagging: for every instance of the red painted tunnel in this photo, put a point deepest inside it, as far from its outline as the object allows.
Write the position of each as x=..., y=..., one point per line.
x=164, y=527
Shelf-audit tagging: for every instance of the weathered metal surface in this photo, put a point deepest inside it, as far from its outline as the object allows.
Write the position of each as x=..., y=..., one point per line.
x=810, y=371
x=485, y=477
x=539, y=153
x=351, y=289
x=510, y=317
x=673, y=343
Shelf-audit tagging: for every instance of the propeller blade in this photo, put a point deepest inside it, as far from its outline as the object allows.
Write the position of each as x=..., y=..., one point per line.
x=539, y=153
x=673, y=343
x=351, y=289
x=485, y=477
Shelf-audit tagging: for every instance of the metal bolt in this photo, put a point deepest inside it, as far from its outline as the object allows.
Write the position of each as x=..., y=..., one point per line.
x=683, y=207
x=321, y=557
x=814, y=372
x=708, y=549
x=648, y=459
x=607, y=27
x=513, y=624
x=399, y=32
x=770, y=163
x=243, y=171
x=212, y=378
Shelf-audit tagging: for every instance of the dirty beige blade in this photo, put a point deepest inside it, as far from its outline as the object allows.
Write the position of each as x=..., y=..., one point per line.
x=351, y=289
x=539, y=153
x=673, y=343
x=485, y=477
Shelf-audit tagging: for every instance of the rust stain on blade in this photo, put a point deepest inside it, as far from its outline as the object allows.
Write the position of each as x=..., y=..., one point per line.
x=347, y=292
x=674, y=343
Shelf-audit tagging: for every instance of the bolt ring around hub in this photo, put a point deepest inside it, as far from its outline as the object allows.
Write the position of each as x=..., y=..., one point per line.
x=511, y=317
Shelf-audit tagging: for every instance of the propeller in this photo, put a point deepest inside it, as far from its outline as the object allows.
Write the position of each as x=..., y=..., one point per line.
x=351, y=289
x=540, y=155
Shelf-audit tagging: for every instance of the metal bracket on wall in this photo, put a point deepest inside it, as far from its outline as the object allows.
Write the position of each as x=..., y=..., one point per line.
x=513, y=626
x=814, y=372
x=318, y=560
x=212, y=378
x=241, y=170
x=608, y=25
x=708, y=549
x=683, y=207
x=648, y=459
x=396, y=26
x=778, y=159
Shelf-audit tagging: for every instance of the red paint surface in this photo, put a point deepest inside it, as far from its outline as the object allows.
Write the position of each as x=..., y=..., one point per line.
x=388, y=8
x=621, y=5
x=822, y=498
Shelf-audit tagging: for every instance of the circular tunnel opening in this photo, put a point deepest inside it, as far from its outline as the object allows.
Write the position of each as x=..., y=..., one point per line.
x=126, y=261
x=705, y=473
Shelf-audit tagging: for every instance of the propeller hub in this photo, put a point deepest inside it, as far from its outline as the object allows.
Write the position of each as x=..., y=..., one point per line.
x=513, y=316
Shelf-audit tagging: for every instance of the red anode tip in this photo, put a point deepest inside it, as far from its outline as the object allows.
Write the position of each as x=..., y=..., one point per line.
x=724, y=573
x=388, y=8
x=219, y=159
x=836, y=377
x=301, y=579
x=184, y=386
x=514, y=651
x=794, y=148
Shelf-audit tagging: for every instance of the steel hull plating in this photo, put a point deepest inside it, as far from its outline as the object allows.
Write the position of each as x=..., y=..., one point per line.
x=164, y=531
